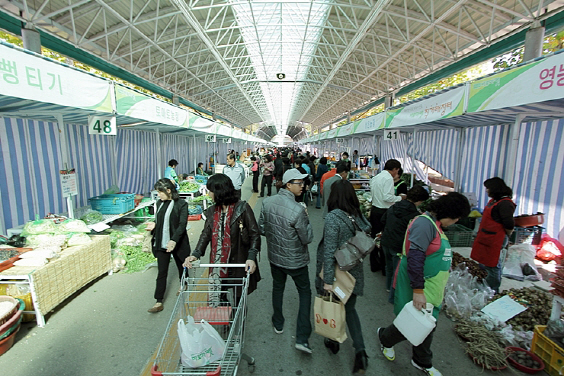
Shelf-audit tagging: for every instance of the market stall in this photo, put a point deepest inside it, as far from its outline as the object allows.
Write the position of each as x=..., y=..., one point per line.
x=482, y=129
x=55, y=281
x=46, y=131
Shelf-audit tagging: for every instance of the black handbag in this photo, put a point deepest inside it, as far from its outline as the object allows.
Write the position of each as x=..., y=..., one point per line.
x=354, y=250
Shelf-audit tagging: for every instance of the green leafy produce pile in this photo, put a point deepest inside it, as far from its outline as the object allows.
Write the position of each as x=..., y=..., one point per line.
x=115, y=235
x=200, y=199
x=92, y=216
x=188, y=187
x=136, y=259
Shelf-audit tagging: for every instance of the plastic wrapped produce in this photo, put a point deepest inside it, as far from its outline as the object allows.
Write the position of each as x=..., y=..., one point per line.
x=39, y=226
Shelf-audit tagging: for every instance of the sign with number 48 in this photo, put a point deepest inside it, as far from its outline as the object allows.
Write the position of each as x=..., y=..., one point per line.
x=104, y=125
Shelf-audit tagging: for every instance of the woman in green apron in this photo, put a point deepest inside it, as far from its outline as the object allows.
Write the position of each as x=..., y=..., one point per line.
x=423, y=273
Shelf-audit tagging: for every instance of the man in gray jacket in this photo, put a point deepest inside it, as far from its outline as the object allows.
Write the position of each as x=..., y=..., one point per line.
x=285, y=224
x=236, y=173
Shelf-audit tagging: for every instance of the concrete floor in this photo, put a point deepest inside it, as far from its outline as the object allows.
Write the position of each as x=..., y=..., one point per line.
x=104, y=329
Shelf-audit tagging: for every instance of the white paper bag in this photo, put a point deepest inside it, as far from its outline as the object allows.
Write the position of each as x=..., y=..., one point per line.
x=201, y=344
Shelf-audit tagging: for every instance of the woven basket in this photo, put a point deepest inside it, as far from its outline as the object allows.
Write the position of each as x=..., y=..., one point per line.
x=6, y=317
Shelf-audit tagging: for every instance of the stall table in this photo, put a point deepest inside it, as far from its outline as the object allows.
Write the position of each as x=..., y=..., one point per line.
x=55, y=281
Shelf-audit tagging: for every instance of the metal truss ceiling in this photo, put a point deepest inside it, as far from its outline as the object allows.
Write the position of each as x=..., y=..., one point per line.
x=336, y=55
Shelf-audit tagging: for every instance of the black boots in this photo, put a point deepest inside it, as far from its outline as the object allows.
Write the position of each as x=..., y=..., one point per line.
x=332, y=345
x=360, y=362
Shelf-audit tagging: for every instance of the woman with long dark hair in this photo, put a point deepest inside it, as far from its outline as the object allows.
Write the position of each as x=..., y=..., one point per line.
x=169, y=235
x=496, y=226
x=341, y=223
x=233, y=232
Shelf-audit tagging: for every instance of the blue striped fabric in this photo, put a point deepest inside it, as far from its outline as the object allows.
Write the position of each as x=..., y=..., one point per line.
x=398, y=149
x=29, y=173
x=368, y=146
x=539, y=179
x=92, y=157
x=484, y=156
x=137, y=161
x=176, y=147
x=437, y=149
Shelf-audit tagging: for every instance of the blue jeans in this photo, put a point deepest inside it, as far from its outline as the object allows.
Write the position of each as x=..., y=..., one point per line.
x=318, y=202
x=494, y=272
x=301, y=280
x=353, y=323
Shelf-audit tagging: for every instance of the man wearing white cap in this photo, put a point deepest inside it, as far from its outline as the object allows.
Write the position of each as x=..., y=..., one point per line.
x=285, y=224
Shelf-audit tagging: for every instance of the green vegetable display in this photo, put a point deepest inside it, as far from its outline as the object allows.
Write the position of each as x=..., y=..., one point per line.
x=188, y=187
x=92, y=216
x=136, y=259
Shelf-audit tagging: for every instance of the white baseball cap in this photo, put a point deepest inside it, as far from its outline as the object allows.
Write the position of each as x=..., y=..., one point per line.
x=292, y=174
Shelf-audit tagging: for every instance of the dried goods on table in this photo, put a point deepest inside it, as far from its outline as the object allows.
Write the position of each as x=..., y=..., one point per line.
x=473, y=267
x=483, y=346
x=538, y=303
x=523, y=358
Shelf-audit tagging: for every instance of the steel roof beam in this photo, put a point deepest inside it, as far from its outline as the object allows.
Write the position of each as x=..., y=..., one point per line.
x=369, y=21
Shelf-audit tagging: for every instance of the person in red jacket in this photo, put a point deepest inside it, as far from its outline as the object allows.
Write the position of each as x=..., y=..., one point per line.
x=496, y=225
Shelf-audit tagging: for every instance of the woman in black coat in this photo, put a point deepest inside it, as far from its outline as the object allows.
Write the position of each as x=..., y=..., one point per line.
x=234, y=235
x=169, y=235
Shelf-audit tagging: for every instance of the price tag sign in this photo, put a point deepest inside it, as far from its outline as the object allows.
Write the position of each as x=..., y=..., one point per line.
x=104, y=125
x=339, y=140
x=68, y=182
x=227, y=140
x=391, y=135
x=210, y=138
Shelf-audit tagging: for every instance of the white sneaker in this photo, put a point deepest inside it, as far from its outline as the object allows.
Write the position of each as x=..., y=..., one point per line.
x=304, y=347
x=277, y=331
x=428, y=371
x=389, y=352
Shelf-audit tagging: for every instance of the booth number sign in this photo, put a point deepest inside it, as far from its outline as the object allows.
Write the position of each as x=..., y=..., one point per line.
x=210, y=138
x=391, y=135
x=104, y=125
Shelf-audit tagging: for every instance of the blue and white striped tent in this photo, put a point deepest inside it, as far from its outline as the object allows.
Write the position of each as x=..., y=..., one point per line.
x=473, y=147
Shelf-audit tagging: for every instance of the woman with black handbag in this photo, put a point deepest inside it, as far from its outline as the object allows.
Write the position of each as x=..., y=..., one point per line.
x=341, y=223
x=233, y=232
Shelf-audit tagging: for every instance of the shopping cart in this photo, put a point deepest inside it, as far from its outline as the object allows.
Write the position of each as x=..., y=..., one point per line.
x=227, y=315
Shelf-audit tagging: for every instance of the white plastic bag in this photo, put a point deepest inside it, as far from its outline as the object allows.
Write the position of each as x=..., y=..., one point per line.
x=201, y=344
x=518, y=256
x=315, y=188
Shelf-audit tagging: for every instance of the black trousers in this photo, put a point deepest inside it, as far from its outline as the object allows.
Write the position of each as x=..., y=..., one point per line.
x=266, y=180
x=421, y=355
x=163, y=260
x=377, y=257
x=255, y=180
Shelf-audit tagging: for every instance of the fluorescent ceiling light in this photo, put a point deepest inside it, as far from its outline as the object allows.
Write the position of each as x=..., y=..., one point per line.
x=281, y=37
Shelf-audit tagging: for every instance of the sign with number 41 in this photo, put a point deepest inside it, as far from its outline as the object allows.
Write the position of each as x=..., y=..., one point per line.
x=104, y=125
x=391, y=135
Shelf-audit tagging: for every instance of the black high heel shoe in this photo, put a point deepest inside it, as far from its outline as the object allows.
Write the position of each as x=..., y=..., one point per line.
x=332, y=345
x=360, y=362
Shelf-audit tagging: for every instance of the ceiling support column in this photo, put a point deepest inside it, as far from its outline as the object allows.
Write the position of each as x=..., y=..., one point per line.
x=31, y=39
x=533, y=42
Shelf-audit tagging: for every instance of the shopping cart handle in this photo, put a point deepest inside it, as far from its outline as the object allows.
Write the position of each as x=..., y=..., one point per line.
x=221, y=265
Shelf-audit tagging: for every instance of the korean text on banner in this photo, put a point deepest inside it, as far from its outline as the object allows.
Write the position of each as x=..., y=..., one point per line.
x=141, y=106
x=441, y=106
x=541, y=80
x=24, y=75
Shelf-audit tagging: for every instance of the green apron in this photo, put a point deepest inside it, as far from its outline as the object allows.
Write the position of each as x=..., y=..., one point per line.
x=435, y=271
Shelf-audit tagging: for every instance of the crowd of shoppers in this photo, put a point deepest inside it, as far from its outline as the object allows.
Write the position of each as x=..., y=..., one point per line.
x=414, y=253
